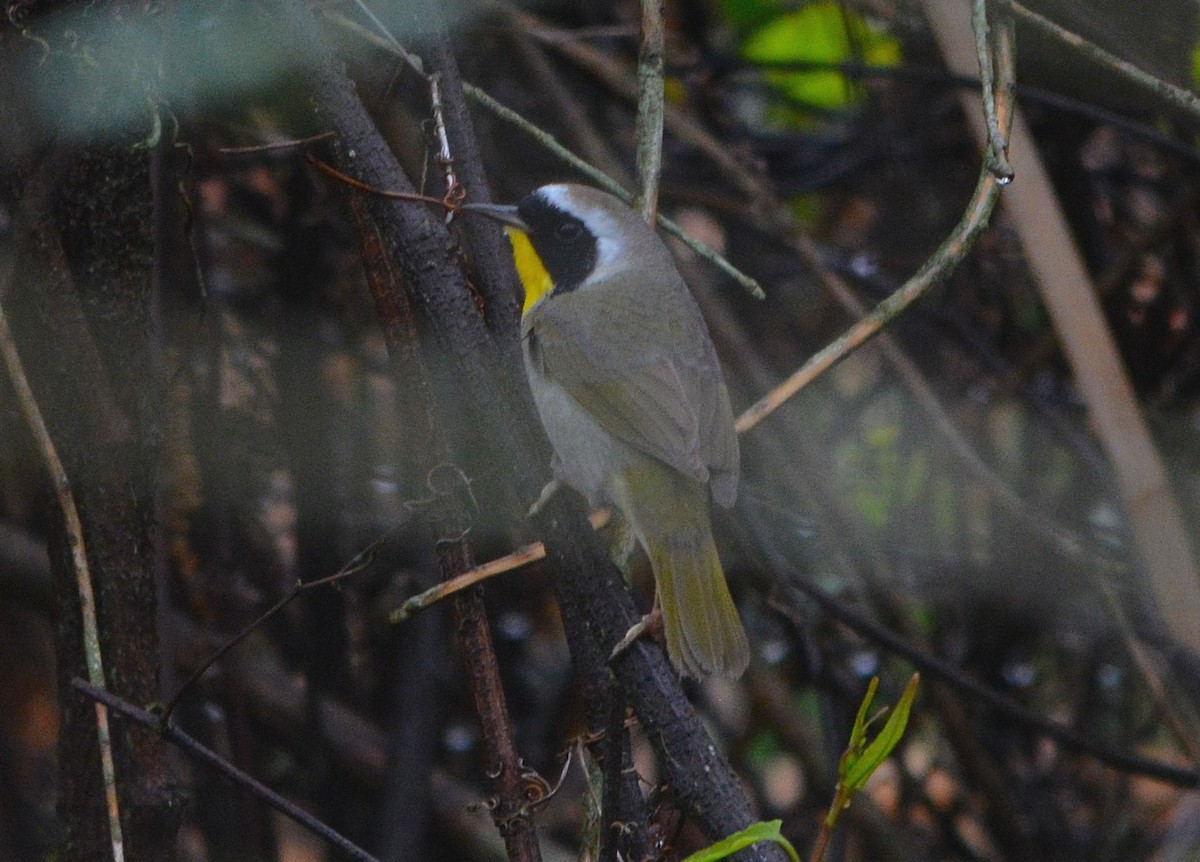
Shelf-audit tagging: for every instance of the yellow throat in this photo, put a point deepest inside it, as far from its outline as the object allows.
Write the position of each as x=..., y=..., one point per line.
x=530, y=269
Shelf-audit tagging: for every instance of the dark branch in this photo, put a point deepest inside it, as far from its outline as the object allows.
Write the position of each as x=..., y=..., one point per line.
x=205, y=755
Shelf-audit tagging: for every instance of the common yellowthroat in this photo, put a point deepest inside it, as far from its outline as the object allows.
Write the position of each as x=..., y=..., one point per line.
x=630, y=392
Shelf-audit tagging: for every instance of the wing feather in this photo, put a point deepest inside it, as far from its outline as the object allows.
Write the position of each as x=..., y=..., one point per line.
x=640, y=401
x=648, y=375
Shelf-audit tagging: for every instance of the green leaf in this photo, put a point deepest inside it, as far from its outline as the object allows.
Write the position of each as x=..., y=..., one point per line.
x=824, y=33
x=752, y=834
x=858, y=733
x=863, y=766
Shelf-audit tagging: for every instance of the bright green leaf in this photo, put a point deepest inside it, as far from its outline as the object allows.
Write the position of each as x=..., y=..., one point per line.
x=858, y=733
x=818, y=33
x=752, y=834
x=889, y=737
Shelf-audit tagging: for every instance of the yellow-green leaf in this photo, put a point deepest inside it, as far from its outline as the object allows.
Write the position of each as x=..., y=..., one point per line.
x=752, y=834
x=822, y=33
x=881, y=747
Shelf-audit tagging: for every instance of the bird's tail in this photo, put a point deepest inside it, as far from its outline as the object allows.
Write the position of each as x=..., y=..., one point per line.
x=668, y=513
x=703, y=631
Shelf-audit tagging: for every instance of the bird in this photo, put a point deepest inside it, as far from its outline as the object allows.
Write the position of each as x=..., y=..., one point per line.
x=632, y=398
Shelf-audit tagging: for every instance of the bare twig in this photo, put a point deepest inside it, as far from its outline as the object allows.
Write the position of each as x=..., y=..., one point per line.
x=1176, y=96
x=445, y=159
x=413, y=61
x=331, y=171
x=616, y=76
x=106, y=700
x=522, y=556
x=579, y=126
x=939, y=265
x=649, y=127
x=998, y=142
x=511, y=808
x=1180, y=719
x=83, y=577
x=361, y=561
x=275, y=146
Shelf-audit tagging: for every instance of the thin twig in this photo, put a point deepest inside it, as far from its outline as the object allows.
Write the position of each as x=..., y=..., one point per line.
x=648, y=132
x=512, y=780
x=1176, y=96
x=275, y=146
x=939, y=265
x=522, y=556
x=577, y=122
x=1181, y=724
x=413, y=61
x=998, y=142
x=83, y=577
x=682, y=126
x=330, y=170
x=360, y=561
x=1004, y=63
x=107, y=700
x=454, y=191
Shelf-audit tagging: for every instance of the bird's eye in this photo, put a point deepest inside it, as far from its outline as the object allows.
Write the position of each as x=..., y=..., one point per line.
x=568, y=230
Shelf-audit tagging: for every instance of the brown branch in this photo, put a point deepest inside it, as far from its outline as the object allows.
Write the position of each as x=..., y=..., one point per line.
x=511, y=808
x=329, y=170
x=487, y=248
x=522, y=556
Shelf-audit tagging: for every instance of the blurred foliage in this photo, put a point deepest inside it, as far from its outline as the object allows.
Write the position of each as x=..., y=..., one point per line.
x=820, y=33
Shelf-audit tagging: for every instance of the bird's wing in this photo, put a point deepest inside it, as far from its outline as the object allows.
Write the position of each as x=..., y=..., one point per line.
x=718, y=441
x=641, y=393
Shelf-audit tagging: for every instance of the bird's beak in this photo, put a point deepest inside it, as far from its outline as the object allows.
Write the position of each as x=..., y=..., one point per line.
x=506, y=214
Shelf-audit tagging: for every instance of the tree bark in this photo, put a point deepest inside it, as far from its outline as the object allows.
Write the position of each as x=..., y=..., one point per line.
x=83, y=324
